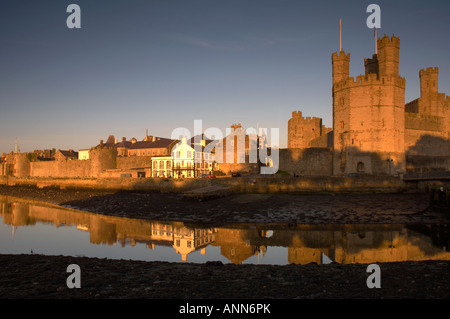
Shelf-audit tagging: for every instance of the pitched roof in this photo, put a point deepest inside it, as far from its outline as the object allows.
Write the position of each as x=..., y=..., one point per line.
x=159, y=142
x=69, y=153
x=125, y=144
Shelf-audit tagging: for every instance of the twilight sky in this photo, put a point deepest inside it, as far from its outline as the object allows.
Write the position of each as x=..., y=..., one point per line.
x=158, y=65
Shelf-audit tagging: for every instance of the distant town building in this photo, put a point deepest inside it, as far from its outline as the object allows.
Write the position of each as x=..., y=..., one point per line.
x=66, y=155
x=162, y=166
x=190, y=160
x=83, y=154
x=45, y=155
x=149, y=146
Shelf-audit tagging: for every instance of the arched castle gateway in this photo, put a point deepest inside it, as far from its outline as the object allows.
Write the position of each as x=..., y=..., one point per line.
x=374, y=131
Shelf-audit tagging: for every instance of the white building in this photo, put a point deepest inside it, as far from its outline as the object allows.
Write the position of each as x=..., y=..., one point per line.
x=83, y=154
x=189, y=163
x=162, y=166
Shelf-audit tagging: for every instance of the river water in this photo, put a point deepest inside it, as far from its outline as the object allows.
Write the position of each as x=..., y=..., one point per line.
x=31, y=227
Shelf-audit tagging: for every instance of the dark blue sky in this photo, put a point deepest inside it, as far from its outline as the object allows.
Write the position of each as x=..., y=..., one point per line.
x=158, y=65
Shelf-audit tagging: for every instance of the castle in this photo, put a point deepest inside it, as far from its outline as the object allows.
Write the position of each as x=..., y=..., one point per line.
x=374, y=131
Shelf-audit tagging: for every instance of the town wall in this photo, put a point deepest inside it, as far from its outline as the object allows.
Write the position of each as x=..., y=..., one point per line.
x=102, y=159
x=21, y=166
x=18, y=165
x=69, y=168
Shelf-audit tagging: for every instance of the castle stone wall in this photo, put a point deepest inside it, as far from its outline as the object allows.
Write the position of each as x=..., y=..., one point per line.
x=306, y=162
x=368, y=114
x=306, y=132
x=420, y=163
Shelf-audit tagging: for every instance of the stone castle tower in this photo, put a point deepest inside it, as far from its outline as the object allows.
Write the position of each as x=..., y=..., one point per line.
x=369, y=113
x=427, y=121
x=306, y=132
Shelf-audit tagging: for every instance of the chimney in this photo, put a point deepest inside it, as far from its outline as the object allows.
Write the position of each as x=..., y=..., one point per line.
x=124, y=139
x=153, y=139
x=101, y=143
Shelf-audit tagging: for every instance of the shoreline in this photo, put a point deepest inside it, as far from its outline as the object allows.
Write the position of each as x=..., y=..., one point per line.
x=38, y=276
x=44, y=277
x=354, y=208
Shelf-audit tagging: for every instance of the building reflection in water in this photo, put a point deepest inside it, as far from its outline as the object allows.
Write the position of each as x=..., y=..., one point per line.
x=305, y=244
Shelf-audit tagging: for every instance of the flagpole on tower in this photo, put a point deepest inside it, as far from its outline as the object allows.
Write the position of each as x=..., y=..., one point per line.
x=340, y=35
x=376, y=43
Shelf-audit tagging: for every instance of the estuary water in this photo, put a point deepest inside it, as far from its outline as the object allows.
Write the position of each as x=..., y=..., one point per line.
x=31, y=227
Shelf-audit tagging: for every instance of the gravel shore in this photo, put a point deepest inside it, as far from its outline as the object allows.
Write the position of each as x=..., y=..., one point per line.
x=38, y=276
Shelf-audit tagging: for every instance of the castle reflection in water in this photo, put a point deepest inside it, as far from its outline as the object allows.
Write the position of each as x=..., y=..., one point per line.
x=343, y=244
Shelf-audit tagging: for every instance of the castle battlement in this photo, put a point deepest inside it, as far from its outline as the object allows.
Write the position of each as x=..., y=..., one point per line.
x=296, y=114
x=341, y=55
x=429, y=70
x=386, y=41
x=441, y=96
x=297, y=118
x=370, y=79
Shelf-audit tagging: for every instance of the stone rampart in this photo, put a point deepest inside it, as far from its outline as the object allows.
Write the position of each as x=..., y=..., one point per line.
x=306, y=161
